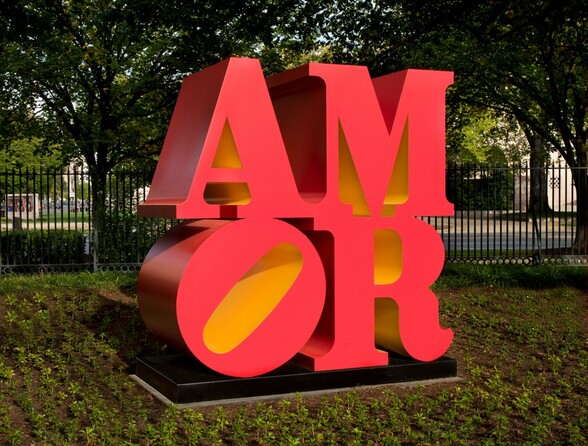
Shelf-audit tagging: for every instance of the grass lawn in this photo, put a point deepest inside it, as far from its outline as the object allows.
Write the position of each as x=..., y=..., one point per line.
x=68, y=344
x=58, y=217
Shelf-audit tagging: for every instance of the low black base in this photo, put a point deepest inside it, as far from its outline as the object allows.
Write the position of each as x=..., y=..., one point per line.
x=183, y=380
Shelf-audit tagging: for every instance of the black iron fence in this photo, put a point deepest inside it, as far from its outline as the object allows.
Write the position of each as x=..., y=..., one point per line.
x=514, y=214
x=503, y=214
x=47, y=222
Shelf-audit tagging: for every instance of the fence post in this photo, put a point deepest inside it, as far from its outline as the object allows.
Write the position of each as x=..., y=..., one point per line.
x=94, y=244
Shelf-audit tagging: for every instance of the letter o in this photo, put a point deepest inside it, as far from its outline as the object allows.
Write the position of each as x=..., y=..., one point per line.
x=243, y=296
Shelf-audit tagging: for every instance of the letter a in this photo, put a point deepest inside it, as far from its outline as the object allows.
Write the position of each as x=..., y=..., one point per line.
x=223, y=155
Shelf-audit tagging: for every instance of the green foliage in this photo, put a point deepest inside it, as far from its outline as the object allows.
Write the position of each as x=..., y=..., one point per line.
x=29, y=154
x=526, y=61
x=38, y=247
x=476, y=138
x=127, y=238
x=91, y=282
x=477, y=188
x=69, y=342
x=100, y=78
x=483, y=136
x=51, y=183
x=505, y=276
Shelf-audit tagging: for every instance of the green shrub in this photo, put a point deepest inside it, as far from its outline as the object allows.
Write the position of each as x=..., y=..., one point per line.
x=37, y=247
x=127, y=238
x=480, y=188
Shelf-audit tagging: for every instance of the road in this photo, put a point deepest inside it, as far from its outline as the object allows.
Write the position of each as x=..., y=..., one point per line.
x=496, y=235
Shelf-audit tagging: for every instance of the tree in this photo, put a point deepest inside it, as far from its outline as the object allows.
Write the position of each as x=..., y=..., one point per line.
x=21, y=163
x=28, y=154
x=538, y=162
x=100, y=77
x=479, y=135
x=526, y=59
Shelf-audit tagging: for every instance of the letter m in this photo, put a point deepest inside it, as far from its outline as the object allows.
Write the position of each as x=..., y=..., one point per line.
x=384, y=138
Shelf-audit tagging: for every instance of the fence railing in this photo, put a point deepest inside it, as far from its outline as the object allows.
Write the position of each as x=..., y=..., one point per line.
x=513, y=214
x=46, y=222
x=503, y=214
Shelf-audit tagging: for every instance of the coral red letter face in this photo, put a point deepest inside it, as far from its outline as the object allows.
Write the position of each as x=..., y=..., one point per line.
x=308, y=186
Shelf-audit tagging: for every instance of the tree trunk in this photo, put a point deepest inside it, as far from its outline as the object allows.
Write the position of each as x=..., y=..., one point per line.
x=98, y=180
x=539, y=197
x=580, y=178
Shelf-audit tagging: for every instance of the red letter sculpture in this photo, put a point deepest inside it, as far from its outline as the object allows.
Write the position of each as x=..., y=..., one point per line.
x=310, y=183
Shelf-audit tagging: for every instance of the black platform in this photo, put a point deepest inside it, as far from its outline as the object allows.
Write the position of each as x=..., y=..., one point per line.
x=184, y=380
